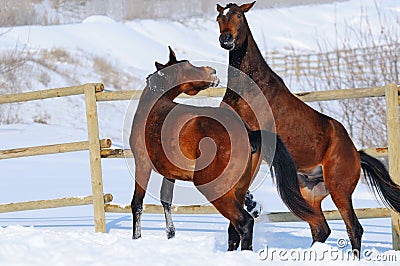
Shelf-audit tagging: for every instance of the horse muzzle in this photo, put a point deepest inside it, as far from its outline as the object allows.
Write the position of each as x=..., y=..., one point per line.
x=227, y=41
x=215, y=80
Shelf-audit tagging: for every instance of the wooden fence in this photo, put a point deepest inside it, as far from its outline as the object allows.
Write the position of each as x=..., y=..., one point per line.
x=94, y=145
x=337, y=63
x=101, y=149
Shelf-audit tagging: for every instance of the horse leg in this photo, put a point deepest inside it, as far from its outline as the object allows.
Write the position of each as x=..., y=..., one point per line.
x=241, y=222
x=320, y=230
x=354, y=229
x=142, y=175
x=166, y=194
x=252, y=206
x=230, y=205
x=341, y=175
x=233, y=235
x=233, y=238
x=314, y=191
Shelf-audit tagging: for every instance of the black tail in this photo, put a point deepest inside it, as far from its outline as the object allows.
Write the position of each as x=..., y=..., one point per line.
x=379, y=181
x=278, y=157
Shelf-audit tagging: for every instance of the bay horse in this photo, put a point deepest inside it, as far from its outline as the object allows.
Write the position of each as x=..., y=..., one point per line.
x=326, y=158
x=204, y=145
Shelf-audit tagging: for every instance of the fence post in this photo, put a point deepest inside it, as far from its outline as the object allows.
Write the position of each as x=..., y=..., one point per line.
x=95, y=159
x=392, y=122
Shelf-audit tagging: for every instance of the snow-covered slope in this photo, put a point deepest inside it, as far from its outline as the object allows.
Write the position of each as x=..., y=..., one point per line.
x=121, y=55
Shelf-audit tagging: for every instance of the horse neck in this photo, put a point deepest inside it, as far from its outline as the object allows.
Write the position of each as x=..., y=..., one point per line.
x=249, y=60
x=153, y=100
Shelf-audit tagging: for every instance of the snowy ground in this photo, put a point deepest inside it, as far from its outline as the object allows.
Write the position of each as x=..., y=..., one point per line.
x=66, y=236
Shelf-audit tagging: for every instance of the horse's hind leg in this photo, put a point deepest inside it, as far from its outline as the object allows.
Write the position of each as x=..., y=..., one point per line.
x=241, y=222
x=341, y=174
x=166, y=194
x=319, y=227
x=341, y=196
x=314, y=192
x=354, y=228
x=142, y=175
x=233, y=235
x=252, y=206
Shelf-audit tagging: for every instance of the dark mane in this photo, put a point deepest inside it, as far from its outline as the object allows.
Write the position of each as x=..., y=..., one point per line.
x=230, y=5
x=148, y=77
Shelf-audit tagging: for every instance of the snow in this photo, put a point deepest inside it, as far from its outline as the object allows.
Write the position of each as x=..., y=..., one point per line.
x=66, y=236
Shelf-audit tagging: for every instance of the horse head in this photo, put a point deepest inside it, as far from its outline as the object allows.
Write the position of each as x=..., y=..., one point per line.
x=182, y=76
x=232, y=25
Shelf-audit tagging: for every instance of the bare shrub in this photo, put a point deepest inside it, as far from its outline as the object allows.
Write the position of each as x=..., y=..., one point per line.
x=110, y=75
x=42, y=118
x=18, y=12
x=12, y=61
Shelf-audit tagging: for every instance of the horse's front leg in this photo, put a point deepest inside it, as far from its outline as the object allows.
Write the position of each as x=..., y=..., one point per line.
x=142, y=176
x=252, y=206
x=166, y=194
x=233, y=238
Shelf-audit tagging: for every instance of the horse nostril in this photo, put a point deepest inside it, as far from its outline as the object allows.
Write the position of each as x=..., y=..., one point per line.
x=225, y=38
x=229, y=37
x=221, y=38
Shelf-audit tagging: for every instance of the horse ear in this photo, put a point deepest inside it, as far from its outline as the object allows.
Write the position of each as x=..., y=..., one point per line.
x=219, y=8
x=172, y=56
x=159, y=66
x=246, y=7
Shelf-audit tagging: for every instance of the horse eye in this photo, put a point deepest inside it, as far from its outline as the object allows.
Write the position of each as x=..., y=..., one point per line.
x=239, y=15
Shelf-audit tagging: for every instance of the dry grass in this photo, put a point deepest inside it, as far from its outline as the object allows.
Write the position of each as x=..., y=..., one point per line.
x=110, y=75
x=23, y=69
x=12, y=62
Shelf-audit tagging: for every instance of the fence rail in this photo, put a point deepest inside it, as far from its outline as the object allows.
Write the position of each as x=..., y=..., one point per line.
x=272, y=217
x=51, y=149
x=50, y=93
x=101, y=149
x=47, y=204
x=312, y=96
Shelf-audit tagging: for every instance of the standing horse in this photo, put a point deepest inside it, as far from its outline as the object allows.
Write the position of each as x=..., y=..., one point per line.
x=195, y=144
x=326, y=158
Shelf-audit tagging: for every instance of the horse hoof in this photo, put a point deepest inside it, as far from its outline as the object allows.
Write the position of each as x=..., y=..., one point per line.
x=136, y=236
x=170, y=232
x=232, y=246
x=256, y=210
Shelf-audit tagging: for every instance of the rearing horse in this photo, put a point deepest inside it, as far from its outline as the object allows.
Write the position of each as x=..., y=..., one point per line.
x=326, y=158
x=207, y=146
